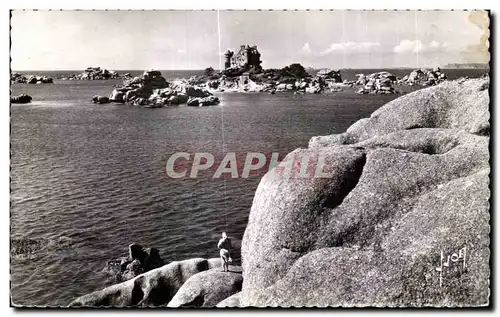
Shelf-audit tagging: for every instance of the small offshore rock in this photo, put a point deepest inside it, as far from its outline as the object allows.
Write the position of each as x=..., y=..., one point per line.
x=117, y=96
x=21, y=99
x=139, y=260
x=100, y=99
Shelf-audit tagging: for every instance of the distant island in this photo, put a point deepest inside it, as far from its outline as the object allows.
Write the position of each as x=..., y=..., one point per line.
x=468, y=65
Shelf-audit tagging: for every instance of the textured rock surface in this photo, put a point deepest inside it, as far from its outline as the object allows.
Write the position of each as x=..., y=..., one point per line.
x=231, y=301
x=154, y=288
x=208, y=288
x=454, y=104
x=406, y=184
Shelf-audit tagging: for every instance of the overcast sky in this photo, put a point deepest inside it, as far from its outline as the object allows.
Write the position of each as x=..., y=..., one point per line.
x=73, y=40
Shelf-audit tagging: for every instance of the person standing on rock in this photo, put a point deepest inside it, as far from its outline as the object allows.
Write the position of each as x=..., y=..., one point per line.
x=225, y=246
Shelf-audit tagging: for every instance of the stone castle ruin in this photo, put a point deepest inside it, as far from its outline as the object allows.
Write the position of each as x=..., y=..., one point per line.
x=247, y=58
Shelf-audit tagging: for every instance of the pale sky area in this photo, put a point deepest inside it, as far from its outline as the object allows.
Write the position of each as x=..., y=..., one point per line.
x=74, y=40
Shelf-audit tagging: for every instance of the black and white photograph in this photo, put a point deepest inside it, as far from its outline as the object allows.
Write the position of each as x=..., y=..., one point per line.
x=250, y=158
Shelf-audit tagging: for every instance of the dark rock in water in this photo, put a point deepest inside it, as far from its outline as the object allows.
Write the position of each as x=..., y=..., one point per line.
x=154, y=288
x=136, y=252
x=100, y=99
x=209, y=101
x=405, y=186
x=132, y=269
x=132, y=94
x=152, y=259
x=139, y=260
x=47, y=80
x=203, y=102
x=424, y=77
x=174, y=100
x=96, y=73
x=196, y=92
x=152, y=73
x=138, y=90
x=330, y=74
x=32, y=80
x=376, y=83
x=117, y=96
x=115, y=267
x=21, y=99
x=135, y=266
x=294, y=70
x=17, y=78
x=213, y=84
x=208, y=288
x=178, y=99
x=193, y=102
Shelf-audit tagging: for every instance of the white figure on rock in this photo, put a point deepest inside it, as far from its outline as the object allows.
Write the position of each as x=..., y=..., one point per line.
x=225, y=246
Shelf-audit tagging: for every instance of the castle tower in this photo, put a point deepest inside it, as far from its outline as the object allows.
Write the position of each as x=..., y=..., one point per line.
x=248, y=55
x=227, y=56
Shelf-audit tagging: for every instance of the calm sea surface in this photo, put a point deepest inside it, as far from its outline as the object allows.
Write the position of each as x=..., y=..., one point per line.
x=87, y=180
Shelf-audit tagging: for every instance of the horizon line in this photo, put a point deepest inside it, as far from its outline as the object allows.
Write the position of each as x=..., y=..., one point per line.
x=198, y=69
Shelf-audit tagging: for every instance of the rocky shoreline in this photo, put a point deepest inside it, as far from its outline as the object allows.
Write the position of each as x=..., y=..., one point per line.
x=408, y=184
x=152, y=90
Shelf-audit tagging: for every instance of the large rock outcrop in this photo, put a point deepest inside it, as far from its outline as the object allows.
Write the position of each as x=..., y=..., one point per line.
x=330, y=75
x=402, y=188
x=137, y=91
x=208, y=288
x=154, y=288
x=151, y=90
x=376, y=83
x=424, y=77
